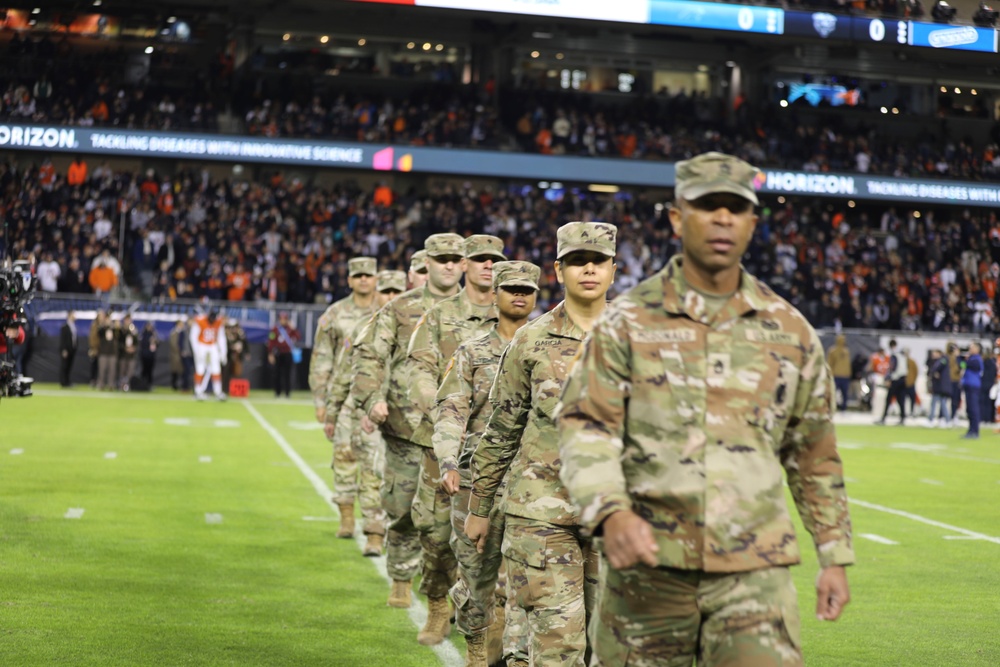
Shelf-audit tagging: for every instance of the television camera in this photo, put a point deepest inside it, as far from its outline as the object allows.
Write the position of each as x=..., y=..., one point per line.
x=17, y=287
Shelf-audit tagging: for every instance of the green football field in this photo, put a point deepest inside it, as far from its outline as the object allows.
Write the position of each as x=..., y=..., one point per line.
x=154, y=530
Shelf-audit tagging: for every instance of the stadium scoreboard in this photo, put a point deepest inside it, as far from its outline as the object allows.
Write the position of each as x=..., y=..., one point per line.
x=739, y=18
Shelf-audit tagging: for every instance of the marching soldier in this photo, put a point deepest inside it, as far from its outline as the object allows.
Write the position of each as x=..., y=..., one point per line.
x=379, y=358
x=462, y=413
x=417, y=274
x=551, y=569
x=693, y=392
x=335, y=327
x=435, y=339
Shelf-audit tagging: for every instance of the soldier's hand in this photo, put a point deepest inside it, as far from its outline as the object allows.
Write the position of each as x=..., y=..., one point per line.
x=628, y=540
x=367, y=425
x=328, y=430
x=476, y=528
x=450, y=481
x=321, y=414
x=379, y=412
x=832, y=593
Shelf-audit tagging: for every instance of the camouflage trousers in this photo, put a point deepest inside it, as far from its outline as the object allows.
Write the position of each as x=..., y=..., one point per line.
x=431, y=514
x=552, y=574
x=357, y=468
x=482, y=580
x=664, y=617
x=399, y=487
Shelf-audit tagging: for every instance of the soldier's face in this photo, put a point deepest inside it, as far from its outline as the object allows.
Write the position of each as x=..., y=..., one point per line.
x=382, y=298
x=479, y=272
x=362, y=284
x=445, y=271
x=417, y=278
x=586, y=275
x=715, y=230
x=516, y=302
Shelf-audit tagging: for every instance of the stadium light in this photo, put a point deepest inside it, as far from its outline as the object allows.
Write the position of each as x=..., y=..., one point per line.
x=942, y=12
x=985, y=16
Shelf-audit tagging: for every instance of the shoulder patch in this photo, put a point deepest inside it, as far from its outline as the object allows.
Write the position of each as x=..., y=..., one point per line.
x=772, y=337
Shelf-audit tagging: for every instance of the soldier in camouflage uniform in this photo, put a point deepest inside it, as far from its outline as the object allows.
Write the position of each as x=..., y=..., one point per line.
x=692, y=393
x=388, y=285
x=379, y=358
x=435, y=339
x=418, y=269
x=551, y=569
x=462, y=412
x=336, y=326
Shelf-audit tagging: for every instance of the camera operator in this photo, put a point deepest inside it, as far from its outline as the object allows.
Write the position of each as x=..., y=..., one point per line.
x=12, y=336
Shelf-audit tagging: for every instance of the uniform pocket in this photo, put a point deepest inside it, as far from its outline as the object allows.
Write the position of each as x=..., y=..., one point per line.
x=524, y=548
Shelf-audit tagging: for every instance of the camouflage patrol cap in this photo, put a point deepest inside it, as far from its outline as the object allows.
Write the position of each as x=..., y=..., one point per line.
x=713, y=172
x=418, y=262
x=592, y=236
x=483, y=244
x=515, y=274
x=391, y=280
x=438, y=245
x=362, y=266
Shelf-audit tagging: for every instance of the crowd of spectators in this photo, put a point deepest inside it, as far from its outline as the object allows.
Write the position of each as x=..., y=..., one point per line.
x=55, y=81
x=66, y=87
x=279, y=240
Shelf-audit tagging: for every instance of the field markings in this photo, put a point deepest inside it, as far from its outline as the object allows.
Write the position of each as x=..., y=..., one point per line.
x=55, y=393
x=74, y=513
x=212, y=518
x=940, y=450
x=204, y=459
x=877, y=538
x=961, y=537
x=16, y=452
x=446, y=652
x=921, y=519
x=318, y=518
x=932, y=482
x=111, y=455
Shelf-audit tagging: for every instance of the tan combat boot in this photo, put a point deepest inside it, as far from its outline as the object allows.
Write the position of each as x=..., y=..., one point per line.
x=346, y=521
x=438, y=622
x=402, y=594
x=494, y=637
x=373, y=546
x=475, y=651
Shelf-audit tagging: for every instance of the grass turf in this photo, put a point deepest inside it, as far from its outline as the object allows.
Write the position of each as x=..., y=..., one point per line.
x=142, y=579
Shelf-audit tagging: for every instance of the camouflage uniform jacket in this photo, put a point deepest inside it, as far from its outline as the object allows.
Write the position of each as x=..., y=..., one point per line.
x=432, y=345
x=462, y=402
x=339, y=387
x=335, y=326
x=688, y=420
x=521, y=434
x=379, y=356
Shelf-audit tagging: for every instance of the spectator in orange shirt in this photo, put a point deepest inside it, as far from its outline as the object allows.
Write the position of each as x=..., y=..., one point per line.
x=237, y=283
x=102, y=277
x=383, y=195
x=100, y=111
x=77, y=173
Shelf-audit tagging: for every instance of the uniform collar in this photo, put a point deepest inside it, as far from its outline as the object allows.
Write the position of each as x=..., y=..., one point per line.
x=563, y=325
x=680, y=299
x=471, y=311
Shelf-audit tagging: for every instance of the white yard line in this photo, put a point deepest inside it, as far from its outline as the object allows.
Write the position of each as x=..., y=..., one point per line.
x=932, y=482
x=921, y=519
x=446, y=652
x=877, y=538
